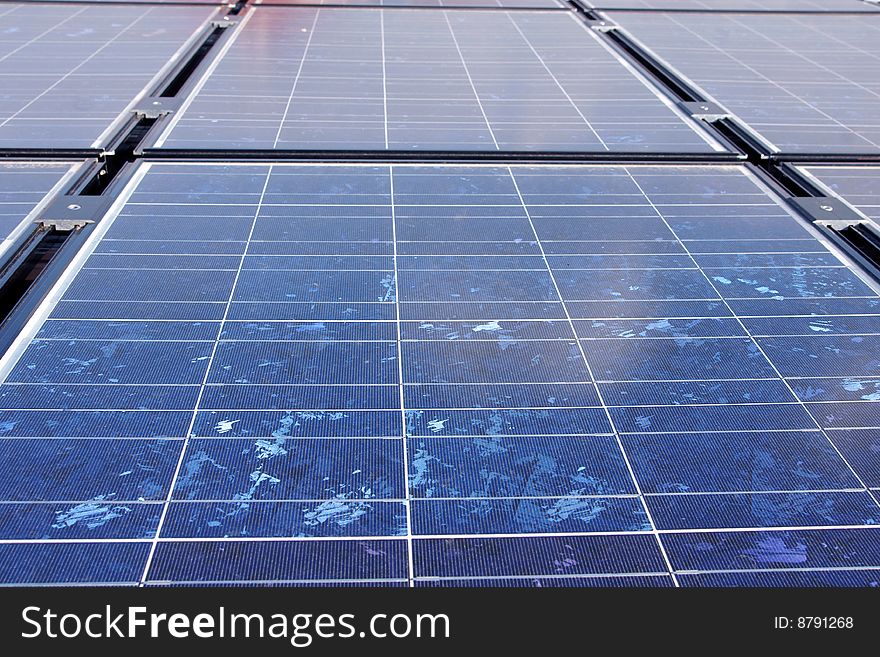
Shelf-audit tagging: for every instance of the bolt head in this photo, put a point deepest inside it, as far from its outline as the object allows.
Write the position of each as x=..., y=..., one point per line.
x=74, y=206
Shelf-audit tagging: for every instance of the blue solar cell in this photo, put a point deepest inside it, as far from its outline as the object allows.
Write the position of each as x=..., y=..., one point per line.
x=767, y=391
x=128, y=330
x=824, y=355
x=304, y=519
x=93, y=519
x=94, y=424
x=568, y=555
x=733, y=462
x=284, y=468
x=84, y=470
x=478, y=312
x=502, y=332
x=760, y=326
x=476, y=285
x=304, y=424
x=473, y=362
x=281, y=397
x=763, y=510
x=72, y=563
x=307, y=362
x=816, y=548
x=146, y=285
x=96, y=397
x=777, y=579
x=678, y=359
x=846, y=415
x=117, y=361
x=660, y=328
x=653, y=310
x=636, y=284
x=747, y=417
x=649, y=581
x=517, y=467
x=109, y=310
x=509, y=422
x=528, y=516
x=23, y=185
x=278, y=561
x=505, y=395
x=861, y=449
x=745, y=283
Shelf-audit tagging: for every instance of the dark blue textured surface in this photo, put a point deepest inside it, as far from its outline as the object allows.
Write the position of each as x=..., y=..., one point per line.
x=501, y=432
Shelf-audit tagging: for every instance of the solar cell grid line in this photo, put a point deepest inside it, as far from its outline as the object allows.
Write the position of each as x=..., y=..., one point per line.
x=448, y=80
x=784, y=76
x=857, y=185
x=501, y=413
x=69, y=71
x=24, y=190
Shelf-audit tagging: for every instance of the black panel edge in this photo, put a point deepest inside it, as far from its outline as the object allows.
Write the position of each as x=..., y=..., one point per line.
x=860, y=240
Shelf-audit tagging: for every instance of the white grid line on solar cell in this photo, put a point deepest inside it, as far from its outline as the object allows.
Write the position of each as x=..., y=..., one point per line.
x=431, y=80
x=733, y=5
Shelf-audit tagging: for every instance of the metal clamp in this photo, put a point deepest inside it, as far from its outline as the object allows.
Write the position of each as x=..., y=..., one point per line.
x=826, y=210
x=72, y=212
x=705, y=111
x=153, y=107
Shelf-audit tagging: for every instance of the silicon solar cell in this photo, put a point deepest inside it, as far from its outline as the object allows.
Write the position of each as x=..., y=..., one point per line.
x=515, y=400
x=389, y=79
x=805, y=83
x=23, y=187
x=858, y=185
x=743, y=5
x=69, y=71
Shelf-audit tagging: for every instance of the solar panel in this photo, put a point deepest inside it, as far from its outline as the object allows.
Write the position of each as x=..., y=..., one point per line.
x=23, y=186
x=471, y=375
x=745, y=5
x=858, y=185
x=337, y=79
x=806, y=84
x=69, y=71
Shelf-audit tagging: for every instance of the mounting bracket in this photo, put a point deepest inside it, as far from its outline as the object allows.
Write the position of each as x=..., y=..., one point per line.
x=704, y=111
x=70, y=212
x=153, y=107
x=826, y=210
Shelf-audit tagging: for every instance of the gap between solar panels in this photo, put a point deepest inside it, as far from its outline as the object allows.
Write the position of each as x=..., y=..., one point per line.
x=856, y=235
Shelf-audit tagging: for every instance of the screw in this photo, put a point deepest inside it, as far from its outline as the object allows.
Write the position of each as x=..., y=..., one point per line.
x=827, y=208
x=74, y=206
x=705, y=108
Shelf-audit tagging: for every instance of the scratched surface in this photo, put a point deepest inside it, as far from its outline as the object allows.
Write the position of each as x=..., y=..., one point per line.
x=439, y=375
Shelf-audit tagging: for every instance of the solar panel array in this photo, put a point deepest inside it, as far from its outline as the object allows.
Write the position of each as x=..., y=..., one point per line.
x=805, y=83
x=442, y=80
x=461, y=373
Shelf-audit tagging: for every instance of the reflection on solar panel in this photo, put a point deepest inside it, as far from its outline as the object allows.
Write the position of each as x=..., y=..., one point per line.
x=859, y=186
x=746, y=5
x=807, y=84
x=23, y=185
x=438, y=80
x=584, y=364
x=68, y=71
